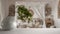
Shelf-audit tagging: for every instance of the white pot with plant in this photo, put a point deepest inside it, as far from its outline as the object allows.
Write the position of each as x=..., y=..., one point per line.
x=24, y=14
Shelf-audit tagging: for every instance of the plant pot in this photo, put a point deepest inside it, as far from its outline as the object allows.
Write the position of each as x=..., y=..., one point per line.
x=9, y=23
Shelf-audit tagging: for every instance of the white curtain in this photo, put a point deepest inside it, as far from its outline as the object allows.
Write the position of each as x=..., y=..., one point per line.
x=0, y=14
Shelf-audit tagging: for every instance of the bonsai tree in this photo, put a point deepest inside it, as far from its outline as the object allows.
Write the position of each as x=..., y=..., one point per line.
x=23, y=13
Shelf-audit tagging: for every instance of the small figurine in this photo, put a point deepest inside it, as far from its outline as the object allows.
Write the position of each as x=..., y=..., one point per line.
x=48, y=10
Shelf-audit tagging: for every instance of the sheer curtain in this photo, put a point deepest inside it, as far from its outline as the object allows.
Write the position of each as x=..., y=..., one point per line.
x=0, y=14
x=0, y=10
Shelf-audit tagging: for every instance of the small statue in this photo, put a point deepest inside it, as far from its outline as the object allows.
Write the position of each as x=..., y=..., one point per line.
x=48, y=10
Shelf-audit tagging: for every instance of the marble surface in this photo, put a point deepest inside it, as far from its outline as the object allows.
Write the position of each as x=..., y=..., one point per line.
x=32, y=31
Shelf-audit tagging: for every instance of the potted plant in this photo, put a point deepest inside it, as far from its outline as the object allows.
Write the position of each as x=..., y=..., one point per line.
x=24, y=13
